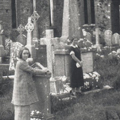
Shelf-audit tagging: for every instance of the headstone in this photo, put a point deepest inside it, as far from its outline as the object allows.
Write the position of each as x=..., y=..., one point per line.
x=115, y=39
x=15, y=47
x=21, y=38
x=62, y=63
x=87, y=59
x=71, y=20
x=108, y=37
x=23, y=41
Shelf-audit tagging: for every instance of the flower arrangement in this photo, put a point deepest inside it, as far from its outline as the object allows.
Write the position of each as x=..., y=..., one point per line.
x=37, y=115
x=91, y=81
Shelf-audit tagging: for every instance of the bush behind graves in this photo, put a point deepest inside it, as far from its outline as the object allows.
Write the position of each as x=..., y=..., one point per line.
x=6, y=108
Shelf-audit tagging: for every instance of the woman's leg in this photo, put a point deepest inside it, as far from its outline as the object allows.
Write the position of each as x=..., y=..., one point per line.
x=22, y=112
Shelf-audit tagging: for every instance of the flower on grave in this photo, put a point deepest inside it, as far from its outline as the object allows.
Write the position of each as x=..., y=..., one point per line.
x=86, y=84
x=64, y=78
x=97, y=79
x=35, y=114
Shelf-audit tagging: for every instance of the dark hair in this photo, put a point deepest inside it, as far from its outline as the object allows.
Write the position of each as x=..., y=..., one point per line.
x=21, y=51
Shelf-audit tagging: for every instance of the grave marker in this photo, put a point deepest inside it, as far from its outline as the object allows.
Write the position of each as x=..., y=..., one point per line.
x=87, y=59
x=71, y=20
x=15, y=47
x=108, y=37
x=34, y=17
x=29, y=28
x=115, y=39
x=21, y=38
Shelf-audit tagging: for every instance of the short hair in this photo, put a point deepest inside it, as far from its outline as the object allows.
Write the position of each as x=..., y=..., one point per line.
x=21, y=51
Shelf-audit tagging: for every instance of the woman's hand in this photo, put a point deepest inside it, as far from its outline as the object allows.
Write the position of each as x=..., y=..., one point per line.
x=46, y=71
x=81, y=63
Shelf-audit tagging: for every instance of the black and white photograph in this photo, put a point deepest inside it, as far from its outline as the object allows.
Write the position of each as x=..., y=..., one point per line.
x=59, y=59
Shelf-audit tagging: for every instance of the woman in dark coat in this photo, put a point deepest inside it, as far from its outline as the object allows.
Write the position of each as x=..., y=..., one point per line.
x=76, y=78
x=24, y=91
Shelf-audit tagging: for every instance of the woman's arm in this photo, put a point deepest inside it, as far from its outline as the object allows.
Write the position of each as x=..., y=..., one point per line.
x=25, y=67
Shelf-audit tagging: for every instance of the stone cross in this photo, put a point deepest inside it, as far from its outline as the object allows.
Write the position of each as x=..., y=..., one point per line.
x=29, y=28
x=21, y=37
x=34, y=17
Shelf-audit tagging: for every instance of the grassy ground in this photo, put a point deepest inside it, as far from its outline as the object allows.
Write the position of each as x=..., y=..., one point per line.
x=94, y=106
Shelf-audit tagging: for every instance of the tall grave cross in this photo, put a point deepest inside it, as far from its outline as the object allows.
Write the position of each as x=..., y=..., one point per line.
x=29, y=28
x=34, y=17
x=20, y=37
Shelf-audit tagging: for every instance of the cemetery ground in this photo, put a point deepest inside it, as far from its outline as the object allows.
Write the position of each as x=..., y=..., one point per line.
x=102, y=105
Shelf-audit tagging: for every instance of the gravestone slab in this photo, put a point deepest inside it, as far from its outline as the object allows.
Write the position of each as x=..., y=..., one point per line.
x=108, y=37
x=115, y=39
x=62, y=63
x=87, y=59
x=15, y=47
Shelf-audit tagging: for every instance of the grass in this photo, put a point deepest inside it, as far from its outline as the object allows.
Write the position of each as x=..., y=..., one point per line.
x=94, y=106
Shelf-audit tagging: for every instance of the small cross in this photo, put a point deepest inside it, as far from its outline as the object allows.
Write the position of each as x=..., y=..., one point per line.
x=21, y=28
x=29, y=27
x=35, y=16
